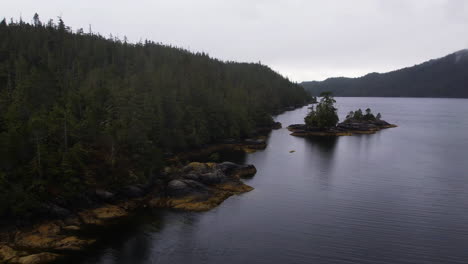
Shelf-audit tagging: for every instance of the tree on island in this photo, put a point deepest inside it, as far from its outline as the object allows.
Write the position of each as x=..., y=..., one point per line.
x=322, y=121
x=324, y=115
x=359, y=116
x=369, y=115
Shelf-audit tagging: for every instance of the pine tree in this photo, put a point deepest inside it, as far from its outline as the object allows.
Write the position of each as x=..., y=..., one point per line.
x=79, y=110
x=36, y=21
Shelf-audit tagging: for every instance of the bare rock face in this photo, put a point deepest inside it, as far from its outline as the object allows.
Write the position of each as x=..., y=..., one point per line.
x=40, y=258
x=177, y=185
x=105, y=195
x=276, y=125
x=198, y=167
x=56, y=236
x=200, y=178
x=228, y=167
x=35, y=244
x=7, y=253
x=100, y=215
x=354, y=125
x=214, y=177
x=49, y=236
x=232, y=169
x=202, y=186
x=246, y=171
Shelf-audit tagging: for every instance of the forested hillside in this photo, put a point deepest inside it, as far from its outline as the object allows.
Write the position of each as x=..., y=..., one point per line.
x=444, y=77
x=78, y=110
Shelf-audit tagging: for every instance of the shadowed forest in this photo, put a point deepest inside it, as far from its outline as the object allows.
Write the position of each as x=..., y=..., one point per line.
x=79, y=110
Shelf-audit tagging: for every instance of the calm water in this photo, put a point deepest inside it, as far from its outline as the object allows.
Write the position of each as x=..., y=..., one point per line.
x=398, y=196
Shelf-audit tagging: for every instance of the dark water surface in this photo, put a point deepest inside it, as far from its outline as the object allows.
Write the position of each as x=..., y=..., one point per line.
x=398, y=196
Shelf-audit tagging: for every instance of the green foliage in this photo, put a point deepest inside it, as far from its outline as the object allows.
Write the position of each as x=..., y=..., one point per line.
x=359, y=116
x=80, y=110
x=324, y=115
x=369, y=115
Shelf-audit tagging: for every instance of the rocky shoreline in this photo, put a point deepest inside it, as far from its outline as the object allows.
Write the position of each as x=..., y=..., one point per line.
x=346, y=128
x=195, y=187
x=256, y=142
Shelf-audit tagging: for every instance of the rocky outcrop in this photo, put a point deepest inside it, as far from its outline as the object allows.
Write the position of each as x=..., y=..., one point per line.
x=253, y=145
x=277, y=125
x=346, y=128
x=101, y=215
x=40, y=258
x=105, y=195
x=202, y=186
x=7, y=253
x=40, y=244
x=364, y=126
x=196, y=186
x=301, y=130
x=11, y=256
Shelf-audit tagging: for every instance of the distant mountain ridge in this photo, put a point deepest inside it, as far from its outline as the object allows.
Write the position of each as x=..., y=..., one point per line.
x=443, y=77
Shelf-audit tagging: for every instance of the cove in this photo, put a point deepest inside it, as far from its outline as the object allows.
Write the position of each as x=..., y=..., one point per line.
x=397, y=196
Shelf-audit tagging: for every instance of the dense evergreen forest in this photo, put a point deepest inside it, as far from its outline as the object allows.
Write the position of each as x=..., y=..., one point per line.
x=81, y=111
x=444, y=77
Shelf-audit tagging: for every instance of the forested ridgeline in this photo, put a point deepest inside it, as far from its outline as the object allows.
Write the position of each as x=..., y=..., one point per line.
x=80, y=111
x=443, y=77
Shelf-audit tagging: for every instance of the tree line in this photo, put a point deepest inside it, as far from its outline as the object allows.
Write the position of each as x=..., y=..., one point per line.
x=443, y=77
x=80, y=111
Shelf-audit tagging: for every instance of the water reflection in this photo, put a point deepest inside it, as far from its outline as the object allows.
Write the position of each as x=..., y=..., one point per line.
x=394, y=197
x=325, y=145
x=127, y=241
x=322, y=147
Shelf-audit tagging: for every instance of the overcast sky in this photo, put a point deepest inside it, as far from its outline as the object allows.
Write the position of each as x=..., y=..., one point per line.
x=301, y=39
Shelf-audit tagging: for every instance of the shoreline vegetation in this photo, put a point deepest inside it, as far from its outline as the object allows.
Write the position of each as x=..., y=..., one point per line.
x=93, y=128
x=323, y=121
x=80, y=111
x=196, y=186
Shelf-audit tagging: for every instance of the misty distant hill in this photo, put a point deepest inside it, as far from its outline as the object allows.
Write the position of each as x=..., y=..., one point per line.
x=443, y=77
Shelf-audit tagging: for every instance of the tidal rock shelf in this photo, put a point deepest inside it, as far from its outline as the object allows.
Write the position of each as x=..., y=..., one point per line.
x=346, y=128
x=196, y=187
x=203, y=186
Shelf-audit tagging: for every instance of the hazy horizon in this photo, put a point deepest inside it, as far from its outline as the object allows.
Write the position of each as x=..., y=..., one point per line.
x=303, y=40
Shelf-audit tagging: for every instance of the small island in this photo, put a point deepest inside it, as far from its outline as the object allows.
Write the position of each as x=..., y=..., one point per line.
x=323, y=121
